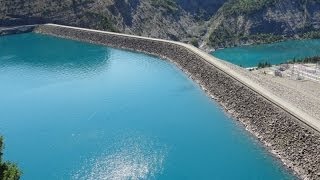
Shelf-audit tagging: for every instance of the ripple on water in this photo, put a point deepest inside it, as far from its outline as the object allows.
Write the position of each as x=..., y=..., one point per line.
x=131, y=157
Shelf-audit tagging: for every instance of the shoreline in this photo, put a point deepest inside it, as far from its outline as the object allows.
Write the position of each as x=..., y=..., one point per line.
x=246, y=126
x=281, y=132
x=16, y=29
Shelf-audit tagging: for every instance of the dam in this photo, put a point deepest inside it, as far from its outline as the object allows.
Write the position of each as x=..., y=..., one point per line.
x=277, y=126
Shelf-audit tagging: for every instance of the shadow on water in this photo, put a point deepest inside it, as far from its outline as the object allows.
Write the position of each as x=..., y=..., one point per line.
x=21, y=50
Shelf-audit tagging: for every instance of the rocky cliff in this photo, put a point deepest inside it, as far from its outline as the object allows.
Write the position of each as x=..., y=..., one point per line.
x=210, y=23
x=169, y=19
x=254, y=21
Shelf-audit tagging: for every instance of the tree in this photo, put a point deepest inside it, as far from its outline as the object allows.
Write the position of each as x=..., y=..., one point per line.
x=195, y=42
x=8, y=170
x=264, y=64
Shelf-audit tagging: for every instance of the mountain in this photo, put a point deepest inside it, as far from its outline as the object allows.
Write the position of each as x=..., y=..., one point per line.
x=211, y=23
x=203, y=9
x=257, y=21
x=168, y=19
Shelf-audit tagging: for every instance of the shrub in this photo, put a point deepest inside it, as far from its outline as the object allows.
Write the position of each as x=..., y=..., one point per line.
x=314, y=59
x=235, y=7
x=194, y=42
x=169, y=5
x=263, y=64
x=8, y=170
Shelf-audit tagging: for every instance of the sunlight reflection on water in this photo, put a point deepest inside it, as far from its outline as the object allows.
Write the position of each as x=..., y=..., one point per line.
x=131, y=157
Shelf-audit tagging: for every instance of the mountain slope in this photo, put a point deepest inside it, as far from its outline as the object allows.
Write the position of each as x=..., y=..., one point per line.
x=155, y=18
x=257, y=21
x=212, y=23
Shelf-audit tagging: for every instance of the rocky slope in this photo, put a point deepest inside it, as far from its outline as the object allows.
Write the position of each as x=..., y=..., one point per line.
x=155, y=18
x=254, y=21
x=210, y=23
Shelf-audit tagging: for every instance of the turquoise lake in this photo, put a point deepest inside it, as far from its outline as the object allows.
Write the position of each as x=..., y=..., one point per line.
x=274, y=53
x=73, y=110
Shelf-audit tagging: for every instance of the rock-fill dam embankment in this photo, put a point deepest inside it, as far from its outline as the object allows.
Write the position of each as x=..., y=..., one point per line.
x=296, y=144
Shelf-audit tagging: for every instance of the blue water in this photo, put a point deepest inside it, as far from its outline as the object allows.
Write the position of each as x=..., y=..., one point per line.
x=72, y=110
x=274, y=53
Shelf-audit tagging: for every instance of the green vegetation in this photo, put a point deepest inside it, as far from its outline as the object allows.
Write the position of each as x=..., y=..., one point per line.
x=263, y=65
x=103, y=21
x=170, y=5
x=194, y=42
x=107, y=25
x=246, y=7
x=228, y=34
x=8, y=171
x=223, y=37
x=314, y=59
x=311, y=35
x=262, y=38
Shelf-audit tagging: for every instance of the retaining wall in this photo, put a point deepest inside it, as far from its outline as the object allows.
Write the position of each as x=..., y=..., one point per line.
x=280, y=130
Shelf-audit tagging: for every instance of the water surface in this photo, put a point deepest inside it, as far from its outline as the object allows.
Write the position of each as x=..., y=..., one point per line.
x=71, y=110
x=274, y=53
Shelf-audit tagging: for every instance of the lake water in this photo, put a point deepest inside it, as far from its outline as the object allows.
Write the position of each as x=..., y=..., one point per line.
x=72, y=110
x=274, y=53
